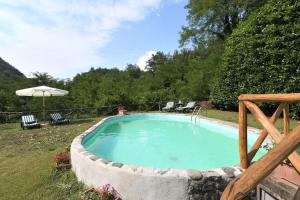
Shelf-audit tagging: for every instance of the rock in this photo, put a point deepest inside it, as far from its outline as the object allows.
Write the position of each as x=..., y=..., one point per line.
x=194, y=174
x=117, y=165
x=229, y=171
x=105, y=161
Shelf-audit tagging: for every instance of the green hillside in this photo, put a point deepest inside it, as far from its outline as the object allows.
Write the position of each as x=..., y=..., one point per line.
x=11, y=79
x=7, y=71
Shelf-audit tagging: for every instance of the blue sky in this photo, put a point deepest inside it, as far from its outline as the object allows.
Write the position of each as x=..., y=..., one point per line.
x=63, y=37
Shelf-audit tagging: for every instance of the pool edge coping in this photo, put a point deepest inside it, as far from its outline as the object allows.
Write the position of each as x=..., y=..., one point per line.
x=193, y=174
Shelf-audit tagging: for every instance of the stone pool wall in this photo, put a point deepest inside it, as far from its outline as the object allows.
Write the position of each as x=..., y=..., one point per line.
x=143, y=183
x=209, y=185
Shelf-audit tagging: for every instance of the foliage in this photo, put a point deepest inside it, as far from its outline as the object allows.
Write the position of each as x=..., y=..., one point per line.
x=262, y=52
x=185, y=75
x=106, y=192
x=214, y=19
x=63, y=185
x=7, y=71
x=62, y=157
x=26, y=159
x=9, y=101
x=262, y=55
x=156, y=61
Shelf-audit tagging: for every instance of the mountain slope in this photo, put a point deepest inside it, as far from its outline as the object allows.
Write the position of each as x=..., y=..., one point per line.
x=7, y=71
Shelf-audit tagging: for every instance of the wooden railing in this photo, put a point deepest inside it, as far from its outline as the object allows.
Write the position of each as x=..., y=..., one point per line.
x=286, y=144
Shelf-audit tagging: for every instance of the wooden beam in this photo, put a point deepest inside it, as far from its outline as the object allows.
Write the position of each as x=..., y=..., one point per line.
x=244, y=163
x=274, y=133
x=242, y=185
x=286, y=119
x=270, y=97
x=262, y=136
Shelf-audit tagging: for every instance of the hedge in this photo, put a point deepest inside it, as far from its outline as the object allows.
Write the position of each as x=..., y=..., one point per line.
x=262, y=55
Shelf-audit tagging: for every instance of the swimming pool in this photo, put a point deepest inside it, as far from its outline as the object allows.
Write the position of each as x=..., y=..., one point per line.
x=159, y=156
x=166, y=141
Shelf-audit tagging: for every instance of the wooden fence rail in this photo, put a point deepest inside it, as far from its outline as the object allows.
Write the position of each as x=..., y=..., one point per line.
x=13, y=116
x=242, y=186
x=286, y=144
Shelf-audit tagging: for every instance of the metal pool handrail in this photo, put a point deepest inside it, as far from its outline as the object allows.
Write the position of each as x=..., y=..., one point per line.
x=198, y=112
x=193, y=112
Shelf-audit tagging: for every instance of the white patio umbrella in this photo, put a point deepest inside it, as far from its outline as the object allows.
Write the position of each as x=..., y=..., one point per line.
x=42, y=91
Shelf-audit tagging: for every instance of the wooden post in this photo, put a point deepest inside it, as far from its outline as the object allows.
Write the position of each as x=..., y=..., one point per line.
x=286, y=119
x=262, y=136
x=243, y=135
x=275, y=134
x=242, y=185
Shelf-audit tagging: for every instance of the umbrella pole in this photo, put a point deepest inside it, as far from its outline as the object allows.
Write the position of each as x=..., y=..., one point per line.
x=43, y=106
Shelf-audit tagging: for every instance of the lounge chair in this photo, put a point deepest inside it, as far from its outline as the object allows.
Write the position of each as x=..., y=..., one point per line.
x=169, y=106
x=189, y=107
x=57, y=118
x=29, y=121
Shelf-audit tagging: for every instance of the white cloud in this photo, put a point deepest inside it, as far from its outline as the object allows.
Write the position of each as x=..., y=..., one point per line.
x=142, y=61
x=63, y=37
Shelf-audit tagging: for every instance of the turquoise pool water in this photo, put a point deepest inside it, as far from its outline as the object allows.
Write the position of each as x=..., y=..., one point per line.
x=166, y=141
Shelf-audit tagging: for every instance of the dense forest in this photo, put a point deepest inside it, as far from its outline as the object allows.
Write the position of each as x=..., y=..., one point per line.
x=228, y=47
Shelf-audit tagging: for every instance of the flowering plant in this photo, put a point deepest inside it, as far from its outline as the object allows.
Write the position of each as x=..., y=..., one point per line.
x=62, y=157
x=106, y=192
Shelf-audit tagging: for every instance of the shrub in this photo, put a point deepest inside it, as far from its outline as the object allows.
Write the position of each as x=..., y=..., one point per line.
x=62, y=157
x=206, y=104
x=262, y=55
x=106, y=192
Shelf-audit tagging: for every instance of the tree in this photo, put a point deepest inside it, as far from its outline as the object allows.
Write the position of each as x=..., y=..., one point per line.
x=215, y=19
x=155, y=61
x=42, y=78
x=133, y=71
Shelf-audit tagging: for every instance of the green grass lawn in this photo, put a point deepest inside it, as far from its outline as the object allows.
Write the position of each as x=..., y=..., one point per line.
x=233, y=117
x=26, y=162
x=26, y=158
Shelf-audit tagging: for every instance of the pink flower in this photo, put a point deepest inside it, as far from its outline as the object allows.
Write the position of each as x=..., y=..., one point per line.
x=108, y=193
x=62, y=157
